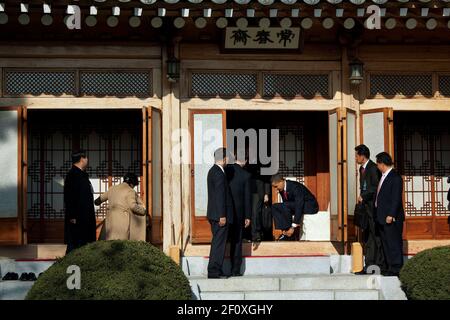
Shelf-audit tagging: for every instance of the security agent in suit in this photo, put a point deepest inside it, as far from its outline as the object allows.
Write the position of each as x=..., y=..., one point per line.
x=389, y=213
x=260, y=196
x=219, y=212
x=369, y=176
x=239, y=182
x=297, y=200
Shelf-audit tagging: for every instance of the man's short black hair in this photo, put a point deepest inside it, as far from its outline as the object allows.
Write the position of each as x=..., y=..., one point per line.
x=362, y=150
x=220, y=154
x=276, y=178
x=384, y=157
x=77, y=155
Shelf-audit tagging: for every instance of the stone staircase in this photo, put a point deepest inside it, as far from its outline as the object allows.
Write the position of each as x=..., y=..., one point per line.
x=292, y=287
x=290, y=278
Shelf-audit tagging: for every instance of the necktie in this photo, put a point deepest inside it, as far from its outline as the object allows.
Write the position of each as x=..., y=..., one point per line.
x=378, y=190
x=284, y=194
x=362, y=170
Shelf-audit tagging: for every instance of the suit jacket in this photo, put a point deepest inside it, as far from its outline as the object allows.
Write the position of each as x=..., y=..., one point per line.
x=79, y=205
x=239, y=182
x=389, y=200
x=126, y=215
x=300, y=199
x=259, y=184
x=220, y=203
x=368, y=182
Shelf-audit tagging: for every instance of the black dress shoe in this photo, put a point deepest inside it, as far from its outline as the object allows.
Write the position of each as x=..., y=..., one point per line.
x=24, y=276
x=31, y=276
x=360, y=272
x=390, y=274
x=10, y=276
x=7, y=276
x=236, y=274
x=217, y=276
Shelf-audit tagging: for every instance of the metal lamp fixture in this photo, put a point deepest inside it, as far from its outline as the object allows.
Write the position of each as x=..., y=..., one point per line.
x=356, y=72
x=173, y=69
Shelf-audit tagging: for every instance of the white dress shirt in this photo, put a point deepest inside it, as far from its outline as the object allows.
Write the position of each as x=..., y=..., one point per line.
x=221, y=168
x=365, y=164
x=381, y=183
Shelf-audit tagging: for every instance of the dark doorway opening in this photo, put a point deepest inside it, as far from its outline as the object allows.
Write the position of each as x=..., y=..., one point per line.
x=303, y=146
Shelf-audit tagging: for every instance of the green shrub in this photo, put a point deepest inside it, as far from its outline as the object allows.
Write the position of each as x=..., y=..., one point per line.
x=125, y=270
x=426, y=276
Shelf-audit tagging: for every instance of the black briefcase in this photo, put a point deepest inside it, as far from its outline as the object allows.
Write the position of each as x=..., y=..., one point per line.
x=361, y=216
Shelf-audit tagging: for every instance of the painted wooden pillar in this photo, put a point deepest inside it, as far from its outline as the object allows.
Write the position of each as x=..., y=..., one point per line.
x=171, y=164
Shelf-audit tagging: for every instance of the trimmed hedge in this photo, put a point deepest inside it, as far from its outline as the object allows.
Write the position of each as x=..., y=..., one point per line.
x=426, y=276
x=116, y=270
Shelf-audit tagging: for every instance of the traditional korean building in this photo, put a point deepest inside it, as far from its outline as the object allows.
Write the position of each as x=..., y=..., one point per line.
x=131, y=81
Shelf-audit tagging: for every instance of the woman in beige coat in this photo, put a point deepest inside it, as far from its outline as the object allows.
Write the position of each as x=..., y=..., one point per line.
x=126, y=215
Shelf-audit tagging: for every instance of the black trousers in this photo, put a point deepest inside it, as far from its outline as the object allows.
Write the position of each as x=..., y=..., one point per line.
x=282, y=215
x=77, y=236
x=235, y=237
x=391, y=238
x=373, y=248
x=255, y=230
x=218, y=245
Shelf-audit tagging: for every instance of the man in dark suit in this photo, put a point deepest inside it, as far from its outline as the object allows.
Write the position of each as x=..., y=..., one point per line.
x=79, y=220
x=219, y=212
x=239, y=182
x=260, y=195
x=297, y=200
x=369, y=176
x=389, y=213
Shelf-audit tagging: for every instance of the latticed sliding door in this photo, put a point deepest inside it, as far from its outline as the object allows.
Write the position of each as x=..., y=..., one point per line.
x=113, y=144
x=423, y=159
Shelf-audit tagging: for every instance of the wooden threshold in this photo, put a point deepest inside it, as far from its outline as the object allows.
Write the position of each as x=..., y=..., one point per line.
x=271, y=249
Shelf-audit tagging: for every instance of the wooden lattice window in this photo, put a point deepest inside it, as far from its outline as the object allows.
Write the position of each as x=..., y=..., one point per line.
x=223, y=84
x=422, y=153
x=296, y=85
x=115, y=83
x=292, y=152
x=36, y=83
x=444, y=85
x=405, y=85
x=113, y=144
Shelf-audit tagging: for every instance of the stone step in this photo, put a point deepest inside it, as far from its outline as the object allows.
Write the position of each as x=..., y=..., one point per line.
x=282, y=283
x=255, y=265
x=294, y=295
x=14, y=290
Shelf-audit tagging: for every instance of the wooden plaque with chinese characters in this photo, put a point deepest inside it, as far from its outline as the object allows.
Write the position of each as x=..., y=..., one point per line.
x=258, y=38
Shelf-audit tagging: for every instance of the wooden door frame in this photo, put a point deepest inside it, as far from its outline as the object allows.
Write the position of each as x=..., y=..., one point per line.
x=156, y=223
x=388, y=117
x=339, y=172
x=200, y=228
x=17, y=222
x=345, y=209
